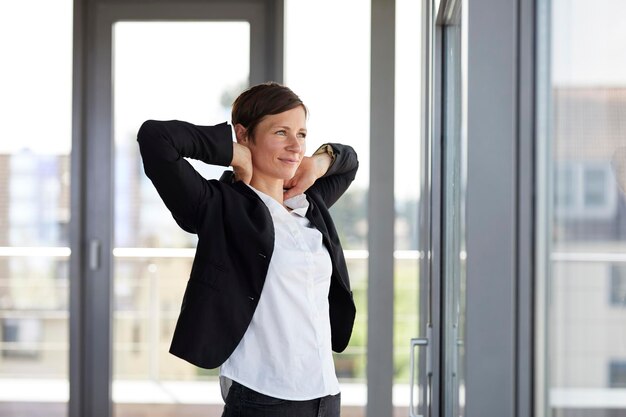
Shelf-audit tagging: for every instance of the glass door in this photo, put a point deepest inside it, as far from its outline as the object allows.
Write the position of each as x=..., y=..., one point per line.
x=151, y=255
x=437, y=356
x=158, y=62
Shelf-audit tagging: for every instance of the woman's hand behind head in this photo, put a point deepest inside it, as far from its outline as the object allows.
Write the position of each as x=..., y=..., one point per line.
x=242, y=163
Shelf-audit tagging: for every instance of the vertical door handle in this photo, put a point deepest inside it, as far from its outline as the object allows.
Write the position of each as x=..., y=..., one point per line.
x=422, y=383
x=94, y=254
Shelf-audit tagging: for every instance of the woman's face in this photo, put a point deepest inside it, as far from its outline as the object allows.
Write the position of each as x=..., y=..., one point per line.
x=279, y=144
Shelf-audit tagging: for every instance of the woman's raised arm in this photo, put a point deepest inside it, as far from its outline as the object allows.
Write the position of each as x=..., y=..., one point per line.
x=164, y=145
x=339, y=176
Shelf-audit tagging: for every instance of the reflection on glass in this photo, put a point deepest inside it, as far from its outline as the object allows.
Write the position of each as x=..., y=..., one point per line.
x=34, y=206
x=586, y=314
x=152, y=254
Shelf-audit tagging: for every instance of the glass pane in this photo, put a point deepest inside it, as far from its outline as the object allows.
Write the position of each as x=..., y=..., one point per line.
x=581, y=138
x=408, y=171
x=152, y=264
x=36, y=109
x=337, y=94
x=454, y=254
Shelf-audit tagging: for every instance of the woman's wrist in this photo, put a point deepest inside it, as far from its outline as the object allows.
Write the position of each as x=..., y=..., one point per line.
x=324, y=157
x=322, y=163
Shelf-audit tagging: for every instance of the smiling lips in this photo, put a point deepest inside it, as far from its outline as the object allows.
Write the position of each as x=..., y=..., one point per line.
x=289, y=161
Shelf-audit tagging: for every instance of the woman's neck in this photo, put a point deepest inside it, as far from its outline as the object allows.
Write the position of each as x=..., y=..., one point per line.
x=272, y=187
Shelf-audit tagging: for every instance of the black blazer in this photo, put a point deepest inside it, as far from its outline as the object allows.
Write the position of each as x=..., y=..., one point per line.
x=235, y=237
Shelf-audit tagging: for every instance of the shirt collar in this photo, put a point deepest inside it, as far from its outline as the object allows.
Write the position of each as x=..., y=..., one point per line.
x=298, y=203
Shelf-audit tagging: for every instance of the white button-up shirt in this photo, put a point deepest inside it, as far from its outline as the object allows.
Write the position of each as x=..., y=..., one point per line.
x=286, y=351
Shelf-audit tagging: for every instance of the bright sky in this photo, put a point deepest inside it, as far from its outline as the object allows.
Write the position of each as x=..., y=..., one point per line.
x=589, y=42
x=170, y=70
x=36, y=75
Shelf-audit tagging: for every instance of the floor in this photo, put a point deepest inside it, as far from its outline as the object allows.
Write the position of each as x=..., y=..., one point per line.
x=17, y=409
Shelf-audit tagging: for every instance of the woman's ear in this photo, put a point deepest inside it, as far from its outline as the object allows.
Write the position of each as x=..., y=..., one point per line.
x=242, y=134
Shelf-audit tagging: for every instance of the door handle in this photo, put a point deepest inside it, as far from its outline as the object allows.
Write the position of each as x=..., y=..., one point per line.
x=415, y=343
x=94, y=254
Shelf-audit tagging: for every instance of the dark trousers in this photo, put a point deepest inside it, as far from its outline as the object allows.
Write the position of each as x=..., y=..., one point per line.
x=244, y=402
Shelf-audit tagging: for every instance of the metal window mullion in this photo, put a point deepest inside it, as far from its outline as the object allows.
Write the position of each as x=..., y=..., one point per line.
x=77, y=208
x=492, y=241
x=526, y=209
x=381, y=211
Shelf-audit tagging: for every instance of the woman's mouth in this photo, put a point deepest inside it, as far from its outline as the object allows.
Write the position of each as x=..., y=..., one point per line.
x=289, y=161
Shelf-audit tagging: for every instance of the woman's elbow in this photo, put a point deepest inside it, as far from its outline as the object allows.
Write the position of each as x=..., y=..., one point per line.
x=147, y=129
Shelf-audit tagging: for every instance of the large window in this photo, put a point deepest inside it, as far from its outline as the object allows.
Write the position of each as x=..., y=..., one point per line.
x=582, y=109
x=36, y=109
x=407, y=173
x=333, y=81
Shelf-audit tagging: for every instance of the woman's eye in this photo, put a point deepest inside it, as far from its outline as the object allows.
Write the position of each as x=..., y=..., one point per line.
x=302, y=135
x=281, y=132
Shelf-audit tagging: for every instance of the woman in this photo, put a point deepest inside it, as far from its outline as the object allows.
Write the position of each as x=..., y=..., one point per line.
x=268, y=298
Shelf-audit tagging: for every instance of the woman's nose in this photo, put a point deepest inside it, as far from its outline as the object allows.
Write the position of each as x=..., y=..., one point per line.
x=294, y=144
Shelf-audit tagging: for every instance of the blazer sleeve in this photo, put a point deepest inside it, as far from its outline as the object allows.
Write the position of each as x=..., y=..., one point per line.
x=339, y=176
x=164, y=145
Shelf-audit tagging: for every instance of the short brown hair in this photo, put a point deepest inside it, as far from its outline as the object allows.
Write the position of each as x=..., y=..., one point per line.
x=262, y=100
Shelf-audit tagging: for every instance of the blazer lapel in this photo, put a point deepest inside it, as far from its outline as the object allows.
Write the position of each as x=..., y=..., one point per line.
x=315, y=217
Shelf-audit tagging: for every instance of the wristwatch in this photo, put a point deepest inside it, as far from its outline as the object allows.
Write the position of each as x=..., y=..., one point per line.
x=327, y=149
